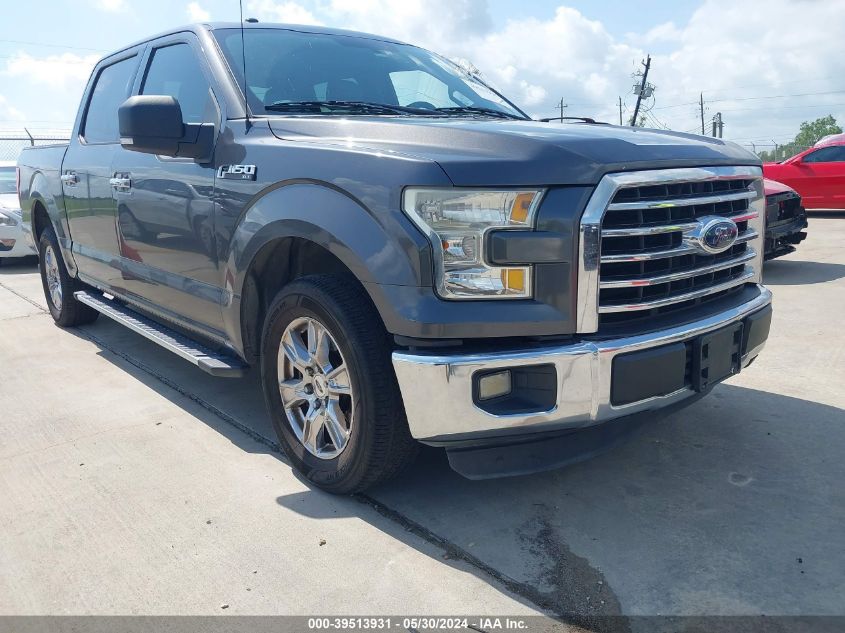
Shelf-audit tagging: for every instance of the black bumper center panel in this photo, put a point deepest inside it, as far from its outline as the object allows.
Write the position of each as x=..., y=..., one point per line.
x=698, y=363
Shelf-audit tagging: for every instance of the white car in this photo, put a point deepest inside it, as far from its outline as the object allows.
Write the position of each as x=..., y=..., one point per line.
x=12, y=243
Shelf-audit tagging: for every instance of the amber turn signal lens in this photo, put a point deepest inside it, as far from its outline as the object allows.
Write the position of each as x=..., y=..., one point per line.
x=514, y=279
x=521, y=207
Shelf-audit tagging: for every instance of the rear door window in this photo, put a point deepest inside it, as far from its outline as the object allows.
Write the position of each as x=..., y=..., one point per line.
x=110, y=91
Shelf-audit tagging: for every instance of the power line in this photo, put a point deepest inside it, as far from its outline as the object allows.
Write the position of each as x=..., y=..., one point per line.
x=769, y=85
x=58, y=61
x=803, y=94
x=775, y=109
x=78, y=48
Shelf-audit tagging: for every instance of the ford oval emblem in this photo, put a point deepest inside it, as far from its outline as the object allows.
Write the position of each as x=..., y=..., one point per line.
x=714, y=234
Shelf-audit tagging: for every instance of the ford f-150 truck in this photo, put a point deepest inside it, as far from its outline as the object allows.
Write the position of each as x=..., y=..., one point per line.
x=403, y=254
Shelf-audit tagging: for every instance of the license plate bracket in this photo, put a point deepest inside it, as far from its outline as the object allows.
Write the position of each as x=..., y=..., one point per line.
x=716, y=356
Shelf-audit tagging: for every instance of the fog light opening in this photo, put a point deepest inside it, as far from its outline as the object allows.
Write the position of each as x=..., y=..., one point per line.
x=494, y=385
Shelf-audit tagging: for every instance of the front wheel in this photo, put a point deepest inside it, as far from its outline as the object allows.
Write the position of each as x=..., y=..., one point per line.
x=330, y=388
x=59, y=286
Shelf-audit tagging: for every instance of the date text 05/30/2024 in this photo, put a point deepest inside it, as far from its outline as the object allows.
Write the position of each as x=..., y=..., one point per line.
x=417, y=623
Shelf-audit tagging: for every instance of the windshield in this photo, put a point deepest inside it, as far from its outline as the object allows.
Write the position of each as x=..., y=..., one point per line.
x=7, y=180
x=285, y=67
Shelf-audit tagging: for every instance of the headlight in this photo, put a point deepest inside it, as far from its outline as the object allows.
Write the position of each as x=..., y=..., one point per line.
x=457, y=222
x=7, y=218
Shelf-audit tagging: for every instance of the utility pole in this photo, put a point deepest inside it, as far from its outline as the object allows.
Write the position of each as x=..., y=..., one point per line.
x=562, y=106
x=718, y=125
x=701, y=107
x=620, y=110
x=647, y=65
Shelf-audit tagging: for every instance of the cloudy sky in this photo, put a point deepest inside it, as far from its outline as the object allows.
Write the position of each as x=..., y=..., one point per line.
x=766, y=65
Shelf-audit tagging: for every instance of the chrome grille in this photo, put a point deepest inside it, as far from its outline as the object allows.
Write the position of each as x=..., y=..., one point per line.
x=639, y=244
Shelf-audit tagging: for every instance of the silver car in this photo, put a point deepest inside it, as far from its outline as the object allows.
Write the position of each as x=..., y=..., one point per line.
x=12, y=242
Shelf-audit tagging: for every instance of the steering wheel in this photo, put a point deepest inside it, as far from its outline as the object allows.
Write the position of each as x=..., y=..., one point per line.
x=423, y=105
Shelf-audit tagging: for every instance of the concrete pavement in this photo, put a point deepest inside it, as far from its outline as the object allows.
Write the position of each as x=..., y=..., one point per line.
x=120, y=495
x=733, y=506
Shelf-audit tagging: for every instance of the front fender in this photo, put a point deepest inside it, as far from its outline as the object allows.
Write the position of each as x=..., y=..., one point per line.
x=379, y=249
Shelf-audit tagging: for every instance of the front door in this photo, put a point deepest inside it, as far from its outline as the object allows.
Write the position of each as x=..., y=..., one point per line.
x=165, y=207
x=822, y=175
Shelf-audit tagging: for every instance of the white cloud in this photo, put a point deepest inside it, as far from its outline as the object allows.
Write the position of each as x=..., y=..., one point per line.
x=112, y=6
x=67, y=69
x=725, y=50
x=531, y=95
x=53, y=83
x=666, y=32
x=9, y=113
x=197, y=14
x=739, y=51
x=286, y=12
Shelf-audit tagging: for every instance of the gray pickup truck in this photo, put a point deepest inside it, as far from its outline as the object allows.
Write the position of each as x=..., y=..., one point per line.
x=402, y=252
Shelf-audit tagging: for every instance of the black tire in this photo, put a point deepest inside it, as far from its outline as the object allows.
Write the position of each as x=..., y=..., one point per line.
x=379, y=443
x=66, y=312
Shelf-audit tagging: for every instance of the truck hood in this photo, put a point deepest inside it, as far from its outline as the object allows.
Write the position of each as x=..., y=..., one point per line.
x=478, y=152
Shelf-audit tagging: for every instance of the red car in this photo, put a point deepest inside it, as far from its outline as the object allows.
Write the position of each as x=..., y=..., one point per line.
x=817, y=174
x=786, y=220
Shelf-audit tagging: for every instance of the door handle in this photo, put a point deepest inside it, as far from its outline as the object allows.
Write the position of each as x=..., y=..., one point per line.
x=69, y=179
x=120, y=183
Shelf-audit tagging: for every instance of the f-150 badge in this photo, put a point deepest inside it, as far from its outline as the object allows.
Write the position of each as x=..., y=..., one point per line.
x=237, y=172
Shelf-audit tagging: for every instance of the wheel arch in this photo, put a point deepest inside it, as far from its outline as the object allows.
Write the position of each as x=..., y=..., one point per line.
x=43, y=211
x=308, y=228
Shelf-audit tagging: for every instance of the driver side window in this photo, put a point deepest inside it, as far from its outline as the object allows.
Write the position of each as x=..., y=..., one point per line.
x=827, y=155
x=175, y=71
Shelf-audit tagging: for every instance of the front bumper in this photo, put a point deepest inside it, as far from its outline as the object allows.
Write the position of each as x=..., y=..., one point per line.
x=439, y=391
x=782, y=237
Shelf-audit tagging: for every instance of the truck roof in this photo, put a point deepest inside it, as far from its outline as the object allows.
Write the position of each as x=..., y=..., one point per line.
x=213, y=26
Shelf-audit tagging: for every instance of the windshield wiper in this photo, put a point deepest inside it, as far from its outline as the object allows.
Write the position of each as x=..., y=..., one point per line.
x=353, y=107
x=480, y=110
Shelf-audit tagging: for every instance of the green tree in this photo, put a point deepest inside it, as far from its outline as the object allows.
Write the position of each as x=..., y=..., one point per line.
x=811, y=131
x=808, y=135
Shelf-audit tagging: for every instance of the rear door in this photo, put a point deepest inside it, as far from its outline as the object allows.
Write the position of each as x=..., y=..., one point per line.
x=823, y=176
x=86, y=170
x=165, y=205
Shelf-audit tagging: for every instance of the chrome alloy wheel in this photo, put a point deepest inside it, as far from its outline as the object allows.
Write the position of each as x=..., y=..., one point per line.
x=315, y=388
x=54, y=280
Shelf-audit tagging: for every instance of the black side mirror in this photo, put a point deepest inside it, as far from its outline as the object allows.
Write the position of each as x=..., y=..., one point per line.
x=153, y=124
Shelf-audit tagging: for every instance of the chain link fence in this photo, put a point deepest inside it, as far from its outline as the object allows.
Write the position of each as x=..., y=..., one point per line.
x=13, y=141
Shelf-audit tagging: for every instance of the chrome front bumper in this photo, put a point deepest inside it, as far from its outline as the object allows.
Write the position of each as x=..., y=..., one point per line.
x=437, y=389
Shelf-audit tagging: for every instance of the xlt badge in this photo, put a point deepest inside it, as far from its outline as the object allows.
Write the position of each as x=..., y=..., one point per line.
x=237, y=172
